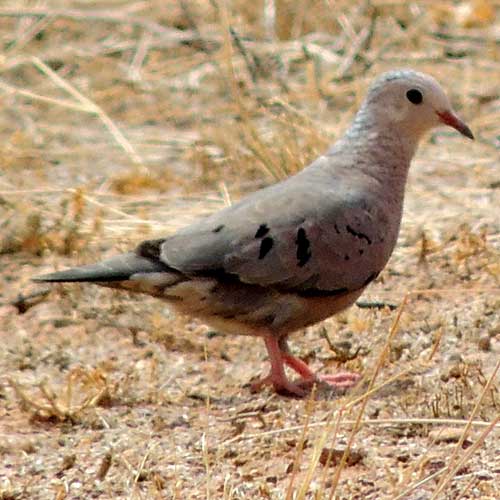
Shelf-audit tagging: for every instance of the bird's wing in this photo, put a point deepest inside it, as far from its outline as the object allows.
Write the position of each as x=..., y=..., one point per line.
x=301, y=235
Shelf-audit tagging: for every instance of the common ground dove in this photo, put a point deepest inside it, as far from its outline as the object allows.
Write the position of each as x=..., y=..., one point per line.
x=298, y=251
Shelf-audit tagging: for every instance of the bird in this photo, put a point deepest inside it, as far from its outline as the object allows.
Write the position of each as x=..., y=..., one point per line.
x=298, y=251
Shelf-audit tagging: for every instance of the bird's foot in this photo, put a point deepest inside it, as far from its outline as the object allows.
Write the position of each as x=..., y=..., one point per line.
x=341, y=380
x=281, y=386
x=302, y=387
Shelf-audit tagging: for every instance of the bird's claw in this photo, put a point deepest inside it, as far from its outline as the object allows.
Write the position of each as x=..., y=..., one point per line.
x=302, y=387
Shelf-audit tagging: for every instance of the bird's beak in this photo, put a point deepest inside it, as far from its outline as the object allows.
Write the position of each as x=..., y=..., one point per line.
x=451, y=119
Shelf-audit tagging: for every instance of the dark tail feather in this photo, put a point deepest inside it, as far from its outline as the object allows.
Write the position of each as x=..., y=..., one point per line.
x=119, y=268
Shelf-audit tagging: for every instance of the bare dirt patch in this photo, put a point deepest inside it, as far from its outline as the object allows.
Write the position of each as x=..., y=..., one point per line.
x=129, y=120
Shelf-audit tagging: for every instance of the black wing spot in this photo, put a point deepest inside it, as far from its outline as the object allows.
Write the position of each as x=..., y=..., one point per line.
x=265, y=247
x=303, y=247
x=218, y=229
x=337, y=230
x=358, y=235
x=361, y=251
x=346, y=257
x=262, y=231
x=151, y=249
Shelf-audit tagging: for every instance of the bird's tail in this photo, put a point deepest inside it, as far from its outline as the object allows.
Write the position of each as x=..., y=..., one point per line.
x=119, y=268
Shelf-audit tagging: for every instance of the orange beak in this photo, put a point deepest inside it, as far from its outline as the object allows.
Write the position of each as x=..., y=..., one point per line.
x=449, y=118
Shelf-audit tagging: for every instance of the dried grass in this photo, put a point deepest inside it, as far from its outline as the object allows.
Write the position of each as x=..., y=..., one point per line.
x=129, y=121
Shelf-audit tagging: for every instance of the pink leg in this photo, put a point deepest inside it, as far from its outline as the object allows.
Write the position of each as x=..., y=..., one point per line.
x=277, y=376
x=299, y=366
x=278, y=355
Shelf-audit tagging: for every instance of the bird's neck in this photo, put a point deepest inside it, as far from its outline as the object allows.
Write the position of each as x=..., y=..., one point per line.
x=388, y=151
x=375, y=133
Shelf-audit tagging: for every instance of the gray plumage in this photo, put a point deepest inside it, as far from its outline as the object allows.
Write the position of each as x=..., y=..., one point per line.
x=303, y=249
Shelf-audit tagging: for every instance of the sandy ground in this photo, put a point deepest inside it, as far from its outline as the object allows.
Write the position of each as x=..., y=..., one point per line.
x=128, y=121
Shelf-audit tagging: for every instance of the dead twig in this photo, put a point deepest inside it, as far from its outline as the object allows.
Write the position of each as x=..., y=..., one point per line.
x=106, y=462
x=24, y=302
x=141, y=52
x=251, y=61
x=63, y=405
x=360, y=46
x=375, y=304
x=341, y=354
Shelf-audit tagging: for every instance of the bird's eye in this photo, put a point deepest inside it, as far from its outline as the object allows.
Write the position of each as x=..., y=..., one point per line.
x=414, y=96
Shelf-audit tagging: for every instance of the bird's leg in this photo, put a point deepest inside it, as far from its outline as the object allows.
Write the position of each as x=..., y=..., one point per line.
x=341, y=380
x=277, y=376
x=279, y=355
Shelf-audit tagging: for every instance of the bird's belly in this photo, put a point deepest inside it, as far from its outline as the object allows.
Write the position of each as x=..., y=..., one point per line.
x=243, y=309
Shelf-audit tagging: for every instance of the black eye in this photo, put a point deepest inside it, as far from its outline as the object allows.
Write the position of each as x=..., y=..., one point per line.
x=414, y=96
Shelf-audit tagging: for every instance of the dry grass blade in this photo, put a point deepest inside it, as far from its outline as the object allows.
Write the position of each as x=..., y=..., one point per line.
x=260, y=150
x=91, y=107
x=373, y=422
x=66, y=405
x=49, y=100
x=452, y=466
x=301, y=445
x=139, y=57
x=404, y=494
x=206, y=463
x=127, y=122
x=140, y=469
x=31, y=32
x=465, y=457
x=97, y=15
x=363, y=399
x=380, y=361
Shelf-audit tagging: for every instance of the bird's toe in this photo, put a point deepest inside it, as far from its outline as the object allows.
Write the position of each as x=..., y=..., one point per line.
x=341, y=380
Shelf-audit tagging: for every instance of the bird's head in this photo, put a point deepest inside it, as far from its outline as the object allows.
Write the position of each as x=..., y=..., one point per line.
x=412, y=103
